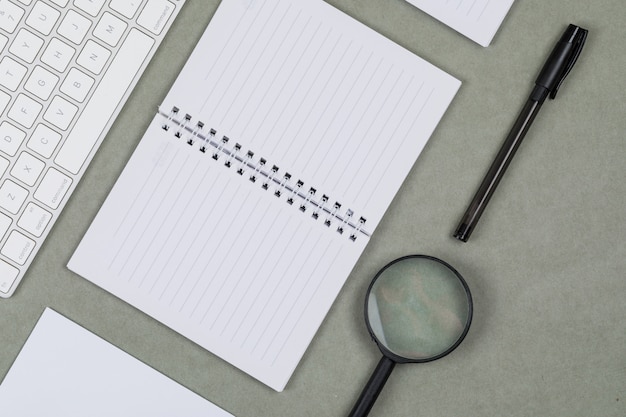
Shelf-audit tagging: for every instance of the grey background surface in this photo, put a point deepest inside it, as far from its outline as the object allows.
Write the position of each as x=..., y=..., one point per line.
x=546, y=263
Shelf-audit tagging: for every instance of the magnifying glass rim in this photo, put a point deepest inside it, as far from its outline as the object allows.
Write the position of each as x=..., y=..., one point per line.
x=400, y=359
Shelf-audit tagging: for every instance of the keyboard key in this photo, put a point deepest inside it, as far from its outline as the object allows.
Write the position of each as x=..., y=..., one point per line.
x=42, y=18
x=126, y=8
x=60, y=112
x=11, y=73
x=12, y=196
x=58, y=54
x=34, y=219
x=18, y=247
x=74, y=27
x=53, y=188
x=8, y=275
x=25, y=110
x=10, y=15
x=44, y=140
x=26, y=2
x=155, y=15
x=26, y=45
x=41, y=83
x=77, y=85
x=93, y=57
x=106, y=97
x=4, y=101
x=110, y=29
x=61, y=3
x=27, y=169
x=91, y=7
x=10, y=138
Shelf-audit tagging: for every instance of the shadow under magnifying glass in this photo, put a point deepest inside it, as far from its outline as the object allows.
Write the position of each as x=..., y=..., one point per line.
x=417, y=309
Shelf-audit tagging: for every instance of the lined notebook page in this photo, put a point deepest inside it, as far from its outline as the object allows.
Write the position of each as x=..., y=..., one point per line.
x=315, y=92
x=248, y=277
x=479, y=20
x=212, y=254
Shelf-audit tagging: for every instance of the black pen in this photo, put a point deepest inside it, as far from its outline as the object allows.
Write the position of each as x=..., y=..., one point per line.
x=556, y=68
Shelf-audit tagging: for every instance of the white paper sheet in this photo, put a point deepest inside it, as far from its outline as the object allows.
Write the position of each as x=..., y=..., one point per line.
x=64, y=370
x=479, y=20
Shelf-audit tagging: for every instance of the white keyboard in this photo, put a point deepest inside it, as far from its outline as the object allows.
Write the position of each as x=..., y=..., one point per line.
x=66, y=69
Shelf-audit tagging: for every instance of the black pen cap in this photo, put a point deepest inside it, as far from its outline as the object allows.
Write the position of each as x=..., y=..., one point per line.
x=562, y=59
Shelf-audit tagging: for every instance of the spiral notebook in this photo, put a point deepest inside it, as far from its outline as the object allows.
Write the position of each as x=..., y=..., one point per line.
x=479, y=20
x=261, y=178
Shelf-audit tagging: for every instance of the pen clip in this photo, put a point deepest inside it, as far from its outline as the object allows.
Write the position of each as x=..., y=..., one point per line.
x=578, y=43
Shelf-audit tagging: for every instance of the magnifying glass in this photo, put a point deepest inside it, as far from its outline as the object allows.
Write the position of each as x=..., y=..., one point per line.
x=417, y=309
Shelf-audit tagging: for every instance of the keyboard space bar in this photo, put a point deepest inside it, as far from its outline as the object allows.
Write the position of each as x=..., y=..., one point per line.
x=97, y=113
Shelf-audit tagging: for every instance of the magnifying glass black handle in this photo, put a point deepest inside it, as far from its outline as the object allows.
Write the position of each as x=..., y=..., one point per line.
x=373, y=388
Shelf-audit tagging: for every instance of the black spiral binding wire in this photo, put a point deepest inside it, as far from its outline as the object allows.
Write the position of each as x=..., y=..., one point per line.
x=243, y=162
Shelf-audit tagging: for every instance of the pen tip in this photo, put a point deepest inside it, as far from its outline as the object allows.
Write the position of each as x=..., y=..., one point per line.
x=463, y=232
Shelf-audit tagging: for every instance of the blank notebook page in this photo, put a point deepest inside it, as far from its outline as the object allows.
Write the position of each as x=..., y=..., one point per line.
x=257, y=185
x=479, y=20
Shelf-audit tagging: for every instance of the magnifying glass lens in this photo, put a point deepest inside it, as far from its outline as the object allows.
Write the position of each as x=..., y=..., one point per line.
x=418, y=308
